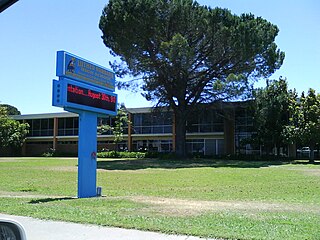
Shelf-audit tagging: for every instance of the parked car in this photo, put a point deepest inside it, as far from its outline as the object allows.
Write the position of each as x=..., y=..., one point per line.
x=11, y=230
x=305, y=150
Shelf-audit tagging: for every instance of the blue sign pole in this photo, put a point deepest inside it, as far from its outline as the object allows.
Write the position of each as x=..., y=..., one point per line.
x=87, y=154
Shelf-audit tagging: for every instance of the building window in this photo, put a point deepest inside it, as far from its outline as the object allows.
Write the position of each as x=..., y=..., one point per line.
x=243, y=131
x=152, y=145
x=110, y=121
x=68, y=126
x=208, y=147
x=40, y=127
x=152, y=123
x=208, y=120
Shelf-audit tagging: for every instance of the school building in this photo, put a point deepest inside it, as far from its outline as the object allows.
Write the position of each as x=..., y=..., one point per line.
x=213, y=129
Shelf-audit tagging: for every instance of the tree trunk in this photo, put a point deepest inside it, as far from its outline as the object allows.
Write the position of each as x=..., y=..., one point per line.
x=278, y=149
x=180, y=131
x=311, y=154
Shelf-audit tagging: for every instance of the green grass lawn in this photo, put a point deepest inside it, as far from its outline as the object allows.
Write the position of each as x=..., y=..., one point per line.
x=208, y=198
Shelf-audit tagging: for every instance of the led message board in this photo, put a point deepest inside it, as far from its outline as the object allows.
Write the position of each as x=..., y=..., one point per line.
x=77, y=95
x=74, y=67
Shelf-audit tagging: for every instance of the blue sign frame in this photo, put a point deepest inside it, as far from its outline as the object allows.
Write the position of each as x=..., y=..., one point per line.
x=74, y=67
x=77, y=95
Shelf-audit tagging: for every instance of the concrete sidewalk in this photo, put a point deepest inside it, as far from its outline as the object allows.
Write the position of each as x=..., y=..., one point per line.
x=53, y=230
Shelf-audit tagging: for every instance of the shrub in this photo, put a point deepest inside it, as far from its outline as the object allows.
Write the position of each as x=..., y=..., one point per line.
x=114, y=154
x=49, y=153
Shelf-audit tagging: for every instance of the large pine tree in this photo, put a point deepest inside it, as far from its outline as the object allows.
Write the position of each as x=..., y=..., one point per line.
x=186, y=53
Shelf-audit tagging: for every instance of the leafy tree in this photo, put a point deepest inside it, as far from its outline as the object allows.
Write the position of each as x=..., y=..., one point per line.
x=271, y=114
x=304, y=125
x=11, y=110
x=12, y=133
x=121, y=121
x=185, y=54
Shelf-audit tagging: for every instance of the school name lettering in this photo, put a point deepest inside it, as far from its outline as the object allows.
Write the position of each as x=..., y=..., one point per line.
x=94, y=70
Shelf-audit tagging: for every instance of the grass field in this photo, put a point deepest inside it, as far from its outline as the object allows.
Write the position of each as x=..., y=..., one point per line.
x=208, y=198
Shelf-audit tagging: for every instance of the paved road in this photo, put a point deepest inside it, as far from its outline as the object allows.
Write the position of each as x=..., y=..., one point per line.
x=53, y=230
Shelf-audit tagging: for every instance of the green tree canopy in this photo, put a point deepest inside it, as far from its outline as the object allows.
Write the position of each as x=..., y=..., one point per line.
x=12, y=133
x=271, y=114
x=120, y=122
x=11, y=110
x=186, y=53
x=304, y=125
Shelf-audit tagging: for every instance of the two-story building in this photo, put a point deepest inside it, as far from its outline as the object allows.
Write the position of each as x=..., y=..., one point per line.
x=215, y=129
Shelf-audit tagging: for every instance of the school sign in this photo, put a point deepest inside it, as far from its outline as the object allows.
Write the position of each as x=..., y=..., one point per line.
x=87, y=89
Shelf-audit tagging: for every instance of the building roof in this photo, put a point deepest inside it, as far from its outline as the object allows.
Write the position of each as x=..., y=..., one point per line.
x=221, y=105
x=44, y=115
x=69, y=114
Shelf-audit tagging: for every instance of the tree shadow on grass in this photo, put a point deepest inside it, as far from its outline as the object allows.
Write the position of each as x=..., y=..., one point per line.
x=46, y=200
x=306, y=162
x=139, y=164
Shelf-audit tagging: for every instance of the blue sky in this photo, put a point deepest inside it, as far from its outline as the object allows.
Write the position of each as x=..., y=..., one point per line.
x=32, y=31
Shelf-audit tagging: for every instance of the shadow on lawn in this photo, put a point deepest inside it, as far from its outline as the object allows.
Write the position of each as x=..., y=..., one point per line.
x=305, y=162
x=138, y=164
x=46, y=200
